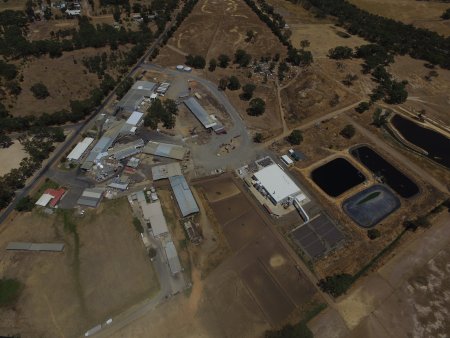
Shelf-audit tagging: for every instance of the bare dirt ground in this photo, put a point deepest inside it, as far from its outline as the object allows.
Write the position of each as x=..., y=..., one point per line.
x=10, y=157
x=405, y=297
x=312, y=96
x=422, y=14
x=220, y=27
x=12, y=5
x=67, y=293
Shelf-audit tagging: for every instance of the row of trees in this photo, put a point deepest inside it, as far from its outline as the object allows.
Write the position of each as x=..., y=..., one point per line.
x=393, y=35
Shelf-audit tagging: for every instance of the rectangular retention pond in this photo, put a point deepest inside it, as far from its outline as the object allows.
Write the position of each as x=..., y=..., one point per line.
x=390, y=175
x=337, y=176
x=435, y=144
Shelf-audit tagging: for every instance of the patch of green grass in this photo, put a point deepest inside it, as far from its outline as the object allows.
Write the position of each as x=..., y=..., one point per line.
x=10, y=290
x=369, y=197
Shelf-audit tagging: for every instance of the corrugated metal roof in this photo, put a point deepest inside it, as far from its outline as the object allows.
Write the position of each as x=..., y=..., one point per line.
x=172, y=257
x=200, y=113
x=165, y=150
x=160, y=172
x=79, y=149
x=91, y=197
x=154, y=214
x=44, y=200
x=35, y=246
x=136, y=95
x=135, y=118
x=183, y=195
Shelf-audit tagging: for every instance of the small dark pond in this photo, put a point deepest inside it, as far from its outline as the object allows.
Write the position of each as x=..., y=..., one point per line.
x=337, y=176
x=394, y=178
x=435, y=144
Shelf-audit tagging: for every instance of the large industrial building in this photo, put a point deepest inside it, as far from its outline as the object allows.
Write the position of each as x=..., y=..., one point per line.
x=137, y=93
x=279, y=187
x=79, y=149
x=183, y=194
x=202, y=115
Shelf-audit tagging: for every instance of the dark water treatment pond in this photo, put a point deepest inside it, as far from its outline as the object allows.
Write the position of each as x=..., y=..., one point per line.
x=337, y=176
x=435, y=144
x=370, y=206
x=390, y=175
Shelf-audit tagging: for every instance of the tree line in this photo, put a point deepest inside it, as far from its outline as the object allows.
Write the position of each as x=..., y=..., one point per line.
x=393, y=35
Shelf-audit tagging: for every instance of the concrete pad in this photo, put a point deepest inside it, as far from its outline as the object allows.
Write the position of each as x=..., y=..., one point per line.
x=364, y=298
x=328, y=324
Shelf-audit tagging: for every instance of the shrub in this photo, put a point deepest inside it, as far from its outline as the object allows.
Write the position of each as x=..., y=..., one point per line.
x=9, y=291
x=224, y=60
x=25, y=204
x=337, y=284
x=348, y=131
x=362, y=107
x=40, y=91
x=258, y=138
x=373, y=233
x=295, y=138
x=233, y=83
x=137, y=225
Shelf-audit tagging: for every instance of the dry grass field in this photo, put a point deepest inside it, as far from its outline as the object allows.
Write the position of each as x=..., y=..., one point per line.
x=67, y=293
x=422, y=14
x=10, y=157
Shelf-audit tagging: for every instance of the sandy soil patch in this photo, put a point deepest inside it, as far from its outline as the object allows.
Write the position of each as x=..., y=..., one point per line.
x=10, y=157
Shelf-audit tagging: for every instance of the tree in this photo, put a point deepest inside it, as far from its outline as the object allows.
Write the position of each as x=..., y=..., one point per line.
x=362, y=107
x=116, y=14
x=349, y=78
x=348, y=131
x=212, y=65
x=250, y=36
x=9, y=291
x=40, y=91
x=380, y=117
x=223, y=83
x=242, y=58
x=224, y=60
x=446, y=14
x=337, y=284
x=340, y=53
x=258, y=138
x=247, y=91
x=196, y=61
x=13, y=87
x=256, y=107
x=373, y=233
x=295, y=137
x=233, y=83
x=299, y=330
x=25, y=204
x=152, y=252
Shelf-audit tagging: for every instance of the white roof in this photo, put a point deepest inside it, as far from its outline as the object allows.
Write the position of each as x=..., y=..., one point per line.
x=79, y=149
x=277, y=184
x=154, y=214
x=135, y=118
x=286, y=159
x=44, y=200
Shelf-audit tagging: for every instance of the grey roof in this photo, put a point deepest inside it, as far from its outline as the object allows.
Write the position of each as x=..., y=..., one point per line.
x=35, y=246
x=164, y=150
x=160, y=172
x=183, y=195
x=172, y=257
x=199, y=112
x=136, y=95
x=153, y=213
x=91, y=197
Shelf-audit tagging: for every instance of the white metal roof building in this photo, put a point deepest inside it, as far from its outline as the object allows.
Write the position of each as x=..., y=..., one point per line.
x=153, y=213
x=278, y=185
x=200, y=113
x=79, y=149
x=172, y=257
x=44, y=200
x=183, y=195
x=135, y=118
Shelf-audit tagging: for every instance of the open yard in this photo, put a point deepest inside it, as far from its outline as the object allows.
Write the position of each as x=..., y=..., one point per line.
x=67, y=293
x=10, y=157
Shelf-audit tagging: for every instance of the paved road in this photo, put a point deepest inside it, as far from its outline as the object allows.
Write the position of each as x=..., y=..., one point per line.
x=61, y=149
x=398, y=156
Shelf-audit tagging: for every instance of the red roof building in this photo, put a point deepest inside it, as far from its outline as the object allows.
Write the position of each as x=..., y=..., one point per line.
x=57, y=195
